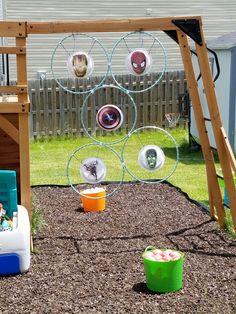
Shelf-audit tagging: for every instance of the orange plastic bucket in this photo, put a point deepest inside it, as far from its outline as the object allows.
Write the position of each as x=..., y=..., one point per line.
x=93, y=200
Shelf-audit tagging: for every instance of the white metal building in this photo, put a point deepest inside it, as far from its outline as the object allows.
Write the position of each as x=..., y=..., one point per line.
x=225, y=87
x=219, y=17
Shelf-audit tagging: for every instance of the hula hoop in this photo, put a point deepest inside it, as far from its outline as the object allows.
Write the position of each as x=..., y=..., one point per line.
x=155, y=40
x=134, y=111
x=176, y=148
x=60, y=44
x=73, y=156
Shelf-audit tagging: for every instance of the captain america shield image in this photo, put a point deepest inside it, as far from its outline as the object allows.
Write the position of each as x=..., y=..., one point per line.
x=109, y=117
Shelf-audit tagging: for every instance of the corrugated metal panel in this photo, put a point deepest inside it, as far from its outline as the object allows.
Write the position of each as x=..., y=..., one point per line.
x=1, y=10
x=1, y=41
x=218, y=18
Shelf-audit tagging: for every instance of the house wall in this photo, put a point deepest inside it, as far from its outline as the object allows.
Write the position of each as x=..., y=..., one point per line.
x=218, y=18
x=1, y=41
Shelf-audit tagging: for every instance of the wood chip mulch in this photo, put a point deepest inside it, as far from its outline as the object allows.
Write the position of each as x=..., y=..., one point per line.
x=92, y=262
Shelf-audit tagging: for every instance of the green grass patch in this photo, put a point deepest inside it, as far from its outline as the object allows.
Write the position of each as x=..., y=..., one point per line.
x=49, y=158
x=37, y=221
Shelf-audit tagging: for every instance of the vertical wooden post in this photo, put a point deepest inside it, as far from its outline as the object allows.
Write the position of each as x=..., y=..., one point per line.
x=215, y=197
x=213, y=108
x=23, y=119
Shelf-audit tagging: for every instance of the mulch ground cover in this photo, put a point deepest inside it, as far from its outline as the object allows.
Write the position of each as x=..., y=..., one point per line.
x=92, y=262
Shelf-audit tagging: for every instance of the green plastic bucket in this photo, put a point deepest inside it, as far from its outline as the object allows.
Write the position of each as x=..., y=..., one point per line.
x=163, y=276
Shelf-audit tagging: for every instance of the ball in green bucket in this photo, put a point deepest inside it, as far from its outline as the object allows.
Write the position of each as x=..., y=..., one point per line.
x=163, y=269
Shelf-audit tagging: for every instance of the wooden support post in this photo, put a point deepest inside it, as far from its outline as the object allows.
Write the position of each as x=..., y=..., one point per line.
x=213, y=108
x=229, y=150
x=23, y=129
x=215, y=197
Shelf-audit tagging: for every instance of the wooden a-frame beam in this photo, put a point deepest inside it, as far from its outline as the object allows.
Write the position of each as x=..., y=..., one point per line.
x=215, y=197
x=113, y=25
x=223, y=152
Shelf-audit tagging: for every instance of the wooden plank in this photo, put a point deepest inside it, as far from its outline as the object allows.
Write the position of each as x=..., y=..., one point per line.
x=106, y=25
x=9, y=128
x=12, y=29
x=12, y=107
x=160, y=115
x=7, y=159
x=215, y=197
x=153, y=96
x=45, y=106
x=214, y=112
x=93, y=103
x=174, y=92
x=54, y=105
x=7, y=146
x=37, y=108
x=13, y=89
x=12, y=50
x=23, y=132
x=229, y=149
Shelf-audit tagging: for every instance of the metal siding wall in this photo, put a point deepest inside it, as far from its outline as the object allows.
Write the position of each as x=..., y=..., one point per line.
x=232, y=99
x=1, y=13
x=218, y=18
x=1, y=42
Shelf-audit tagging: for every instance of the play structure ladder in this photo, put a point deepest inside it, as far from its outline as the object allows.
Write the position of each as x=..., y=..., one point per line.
x=180, y=29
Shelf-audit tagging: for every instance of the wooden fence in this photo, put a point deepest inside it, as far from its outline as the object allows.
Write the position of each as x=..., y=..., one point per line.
x=55, y=111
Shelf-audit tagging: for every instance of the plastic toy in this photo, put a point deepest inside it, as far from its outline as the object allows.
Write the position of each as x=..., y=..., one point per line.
x=15, y=235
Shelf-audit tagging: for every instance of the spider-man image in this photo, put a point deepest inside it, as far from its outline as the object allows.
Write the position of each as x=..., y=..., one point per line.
x=138, y=62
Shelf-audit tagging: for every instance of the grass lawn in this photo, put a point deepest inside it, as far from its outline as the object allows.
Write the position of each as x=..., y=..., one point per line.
x=49, y=158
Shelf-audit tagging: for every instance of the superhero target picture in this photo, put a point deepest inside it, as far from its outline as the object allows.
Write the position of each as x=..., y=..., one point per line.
x=109, y=117
x=80, y=64
x=138, y=62
x=151, y=157
x=93, y=170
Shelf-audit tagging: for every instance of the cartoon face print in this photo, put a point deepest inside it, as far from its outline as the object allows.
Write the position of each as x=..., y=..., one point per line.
x=151, y=156
x=80, y=63
x=138, y=62
x=92, y=170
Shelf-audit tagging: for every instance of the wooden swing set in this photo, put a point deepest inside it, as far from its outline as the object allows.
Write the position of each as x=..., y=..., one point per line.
x=14, y=113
